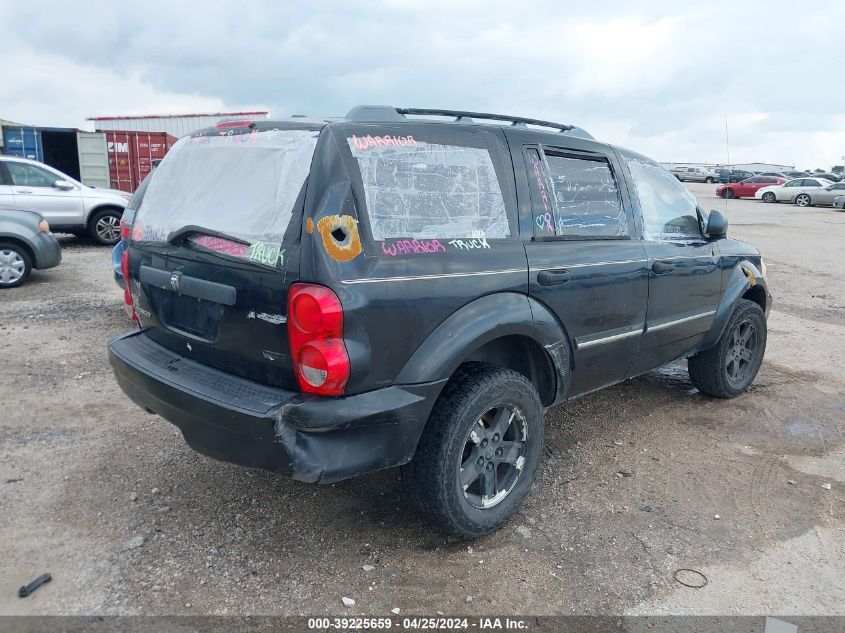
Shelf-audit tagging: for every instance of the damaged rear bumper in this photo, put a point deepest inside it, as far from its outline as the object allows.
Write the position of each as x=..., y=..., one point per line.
x=309, y=438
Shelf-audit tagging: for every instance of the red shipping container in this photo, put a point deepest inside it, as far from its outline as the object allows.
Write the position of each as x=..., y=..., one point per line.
x=131, y=155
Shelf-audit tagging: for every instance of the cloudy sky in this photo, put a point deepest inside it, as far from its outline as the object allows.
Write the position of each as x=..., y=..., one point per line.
x=658, y=77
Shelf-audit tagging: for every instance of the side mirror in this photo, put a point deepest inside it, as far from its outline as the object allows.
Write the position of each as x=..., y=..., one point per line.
x=717, y=225
x=63, y=185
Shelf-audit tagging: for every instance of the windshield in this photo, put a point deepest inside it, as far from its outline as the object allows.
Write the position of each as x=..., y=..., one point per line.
x=239, y=185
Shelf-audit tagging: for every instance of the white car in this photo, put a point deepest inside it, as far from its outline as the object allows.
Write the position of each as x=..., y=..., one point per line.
x=792, y=191
x=66, y=204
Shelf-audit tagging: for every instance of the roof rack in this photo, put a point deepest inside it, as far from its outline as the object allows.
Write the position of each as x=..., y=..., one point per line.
x=390, y=113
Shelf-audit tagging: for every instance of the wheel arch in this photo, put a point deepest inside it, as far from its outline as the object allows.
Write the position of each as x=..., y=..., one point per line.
x=105, y=206
x=745, y=282
x=505, y=329
x=17, y=240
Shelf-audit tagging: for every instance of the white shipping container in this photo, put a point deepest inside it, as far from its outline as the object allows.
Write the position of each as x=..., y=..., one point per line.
x=177, y=125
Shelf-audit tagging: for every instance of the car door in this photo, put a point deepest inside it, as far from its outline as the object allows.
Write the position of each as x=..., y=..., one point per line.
x=585, y=261
x=34, y=188
x=745, y=188
x=685, y=279
x=827, y=194
x=7, y=194
x=788, y=191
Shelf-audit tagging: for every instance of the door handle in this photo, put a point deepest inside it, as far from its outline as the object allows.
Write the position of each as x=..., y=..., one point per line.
x=552, y=277
x=662, y=267
x=23, y=190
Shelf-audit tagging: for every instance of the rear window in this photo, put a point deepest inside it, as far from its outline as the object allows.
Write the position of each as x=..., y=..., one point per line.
x=242, y=186
x=428, y=190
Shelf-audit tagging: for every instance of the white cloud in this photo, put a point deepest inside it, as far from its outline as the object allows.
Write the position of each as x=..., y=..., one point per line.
x=656, y=76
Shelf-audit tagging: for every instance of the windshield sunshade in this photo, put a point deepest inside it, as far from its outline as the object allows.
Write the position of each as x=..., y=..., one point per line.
x=240, y=186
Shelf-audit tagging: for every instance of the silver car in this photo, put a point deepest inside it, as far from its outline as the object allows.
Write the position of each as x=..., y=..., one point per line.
x=67, y=204
x=839, y=202
x=695, y=174
x=25, y=243
x=791, y=191
x=824, y=196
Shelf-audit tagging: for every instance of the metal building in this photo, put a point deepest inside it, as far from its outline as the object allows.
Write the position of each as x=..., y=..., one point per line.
x=174, y=124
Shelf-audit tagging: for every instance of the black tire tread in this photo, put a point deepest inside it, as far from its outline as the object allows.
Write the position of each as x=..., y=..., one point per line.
x=426, y=476
x=705, y=368
x=92, y=224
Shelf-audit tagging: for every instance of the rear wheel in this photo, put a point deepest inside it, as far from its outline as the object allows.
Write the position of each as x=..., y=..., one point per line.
x=802, y=200
x=15, y=265
x=769, y=197
x=728, y=369
x=479, y=452
x=104, y=226
x=728, y=193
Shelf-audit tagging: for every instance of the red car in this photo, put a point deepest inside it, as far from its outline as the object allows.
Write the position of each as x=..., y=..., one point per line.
x=748, y=187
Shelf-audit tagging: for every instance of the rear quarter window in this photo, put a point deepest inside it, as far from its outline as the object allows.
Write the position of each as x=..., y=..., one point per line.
x=438, y=187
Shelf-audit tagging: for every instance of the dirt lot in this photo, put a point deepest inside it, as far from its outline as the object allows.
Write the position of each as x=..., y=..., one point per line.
x=128, y=519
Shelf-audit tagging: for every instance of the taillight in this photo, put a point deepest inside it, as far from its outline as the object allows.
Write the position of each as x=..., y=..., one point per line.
x=315, y=331
x=125, y=229
x=127, y=294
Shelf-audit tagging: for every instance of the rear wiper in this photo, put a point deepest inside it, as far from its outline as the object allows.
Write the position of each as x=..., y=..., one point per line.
x=178, y=236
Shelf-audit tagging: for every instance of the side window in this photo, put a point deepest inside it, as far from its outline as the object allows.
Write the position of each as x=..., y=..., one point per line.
x=668, y=208
x=793, y=183
x=575, y=196
x=424, y=189
x=4, y=177
x=24, y=175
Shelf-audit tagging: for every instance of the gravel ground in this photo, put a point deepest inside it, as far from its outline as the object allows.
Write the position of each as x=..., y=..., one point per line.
x=129, y=520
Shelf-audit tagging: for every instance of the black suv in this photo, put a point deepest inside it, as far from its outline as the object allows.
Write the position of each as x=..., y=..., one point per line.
x=325, y=298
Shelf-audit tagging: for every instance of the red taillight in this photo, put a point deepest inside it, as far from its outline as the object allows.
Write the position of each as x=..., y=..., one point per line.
x=125, y=229
x=315, y=331
x=127, y=294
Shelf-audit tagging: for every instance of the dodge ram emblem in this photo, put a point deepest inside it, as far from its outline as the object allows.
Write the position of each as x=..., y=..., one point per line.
x=174, y=281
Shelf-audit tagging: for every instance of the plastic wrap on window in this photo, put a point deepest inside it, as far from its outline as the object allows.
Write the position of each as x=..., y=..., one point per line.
x=429, y=191
x=587, y=198
x=242, y=185
x=668, y=208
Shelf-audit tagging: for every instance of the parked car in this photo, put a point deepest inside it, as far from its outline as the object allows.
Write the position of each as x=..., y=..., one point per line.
x=828, y=176
x=839, y=202
x=796, y=174
x=820, y=196
x=126, y=227
x=748, y=187
x=733, y=175
x=695, y=174
x=789, y=191
x=775, y=174
x=67, y=204
x=328, y=298
x=25, y=243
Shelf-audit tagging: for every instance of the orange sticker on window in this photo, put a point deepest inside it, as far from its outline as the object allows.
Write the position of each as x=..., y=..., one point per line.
x=340, y=237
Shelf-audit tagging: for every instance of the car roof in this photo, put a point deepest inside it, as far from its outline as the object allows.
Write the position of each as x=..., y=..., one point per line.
x=391, y=114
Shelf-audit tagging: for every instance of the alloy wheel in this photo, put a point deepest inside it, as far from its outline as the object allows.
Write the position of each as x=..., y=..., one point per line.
x=12, y=267
x=493, y=457
x=108, y=228
x=803, y=200
x=742, y=349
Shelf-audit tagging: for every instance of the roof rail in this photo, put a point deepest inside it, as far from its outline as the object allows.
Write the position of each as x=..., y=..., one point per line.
x=390, y=113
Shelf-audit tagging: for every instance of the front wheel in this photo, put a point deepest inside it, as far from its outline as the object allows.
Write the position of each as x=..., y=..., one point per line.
x=15, y=265
x=709, y=180
x=802, y=200
x=479, y=452
x=769, y=197
x=728, y=193
x=104, y=226
x=728, y=369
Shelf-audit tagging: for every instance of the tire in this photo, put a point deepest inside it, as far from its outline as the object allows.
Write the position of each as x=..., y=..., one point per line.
x=728, y=193
x=769, y=196
x=709, y=180
x=461, y=436
x=720, y=370
x=15, y=265
x=803, y=200
x=104, y=226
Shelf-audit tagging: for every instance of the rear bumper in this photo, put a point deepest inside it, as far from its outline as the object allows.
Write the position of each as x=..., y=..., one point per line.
x=309, y=438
